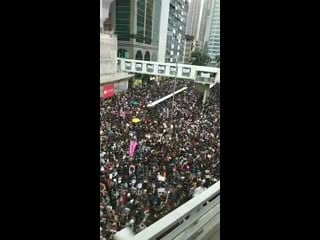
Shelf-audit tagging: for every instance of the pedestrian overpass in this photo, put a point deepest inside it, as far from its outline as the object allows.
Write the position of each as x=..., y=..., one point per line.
x=199, y=74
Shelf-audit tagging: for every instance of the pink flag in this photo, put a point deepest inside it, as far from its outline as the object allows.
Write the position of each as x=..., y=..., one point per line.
x=122, y=114
x=133, y=145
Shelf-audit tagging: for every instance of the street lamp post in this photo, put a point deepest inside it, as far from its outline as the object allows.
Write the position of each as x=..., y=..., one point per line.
x=174, y=85
x=195, y=58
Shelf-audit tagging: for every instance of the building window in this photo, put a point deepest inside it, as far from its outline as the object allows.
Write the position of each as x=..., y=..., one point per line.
x=147, y=56
x=139, y=55
x=123, y=53
x=123, y=20
x=149, y=17
x=140, y=21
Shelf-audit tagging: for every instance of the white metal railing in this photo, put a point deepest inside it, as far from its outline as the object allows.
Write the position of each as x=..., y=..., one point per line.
x=166, y=97
x=170, y=223
x=207, y=217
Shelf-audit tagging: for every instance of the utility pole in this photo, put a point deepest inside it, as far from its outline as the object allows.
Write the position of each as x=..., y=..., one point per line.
x=174, y=85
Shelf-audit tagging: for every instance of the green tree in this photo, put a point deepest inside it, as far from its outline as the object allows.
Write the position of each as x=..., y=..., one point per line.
x=200, y=57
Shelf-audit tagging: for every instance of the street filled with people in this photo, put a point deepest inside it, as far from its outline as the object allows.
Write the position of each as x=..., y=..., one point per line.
x=155, y=159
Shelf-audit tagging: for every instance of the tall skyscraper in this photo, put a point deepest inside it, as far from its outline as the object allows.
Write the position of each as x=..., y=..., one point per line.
x=194, y=16
x=189, y=47
x=173, y=18
x=199, y=21
x=205, y=22
x=214, y=37
x=135, y=21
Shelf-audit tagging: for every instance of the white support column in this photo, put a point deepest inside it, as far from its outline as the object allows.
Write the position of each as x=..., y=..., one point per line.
x=206, y=94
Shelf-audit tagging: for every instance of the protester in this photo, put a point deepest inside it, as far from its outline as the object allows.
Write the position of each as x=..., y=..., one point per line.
x=178, y=151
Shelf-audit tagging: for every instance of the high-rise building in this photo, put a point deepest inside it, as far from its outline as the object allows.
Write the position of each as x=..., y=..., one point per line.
x=205, y=22
x=199, y=21
x=173, y=18
x=214, y=37
x=135, y=23
x=194, y=17
x=189, y=47
x=149, y=29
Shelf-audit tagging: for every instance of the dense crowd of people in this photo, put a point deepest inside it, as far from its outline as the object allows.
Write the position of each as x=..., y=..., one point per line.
x=154, y=90
x=178, y=153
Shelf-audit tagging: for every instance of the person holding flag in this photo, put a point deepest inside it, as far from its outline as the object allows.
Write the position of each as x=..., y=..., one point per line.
x=122, y=114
